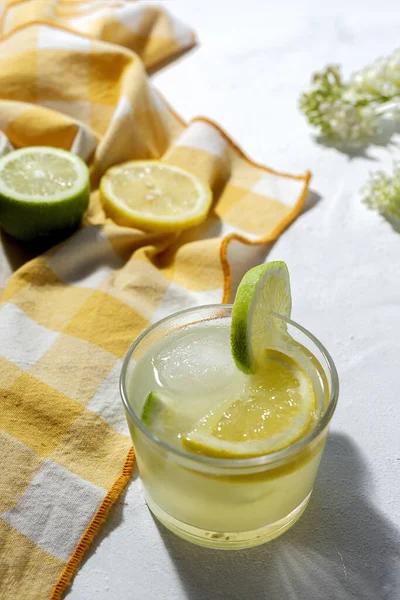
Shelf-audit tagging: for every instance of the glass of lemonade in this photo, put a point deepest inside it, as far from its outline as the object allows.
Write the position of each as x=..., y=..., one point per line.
x=176, y=379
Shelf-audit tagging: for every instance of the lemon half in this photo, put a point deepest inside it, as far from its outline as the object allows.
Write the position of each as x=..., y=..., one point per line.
x=154, y=196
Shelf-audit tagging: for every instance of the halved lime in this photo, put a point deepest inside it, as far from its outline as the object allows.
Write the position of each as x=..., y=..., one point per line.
x=43, y=191
x=264, y=290
x=274, y=409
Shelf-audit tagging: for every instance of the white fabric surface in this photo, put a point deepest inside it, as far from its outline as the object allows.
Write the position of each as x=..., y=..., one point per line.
x=254, y=59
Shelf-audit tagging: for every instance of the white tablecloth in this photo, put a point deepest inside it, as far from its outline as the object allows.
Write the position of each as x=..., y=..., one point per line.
x=254, y=59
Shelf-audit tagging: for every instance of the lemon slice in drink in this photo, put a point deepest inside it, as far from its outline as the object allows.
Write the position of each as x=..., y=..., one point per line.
x=275, y=408
x=264, y=290
x=154, y=196
x=43, y=190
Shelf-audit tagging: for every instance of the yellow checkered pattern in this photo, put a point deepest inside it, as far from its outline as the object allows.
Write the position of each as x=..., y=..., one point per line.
x=69, y=77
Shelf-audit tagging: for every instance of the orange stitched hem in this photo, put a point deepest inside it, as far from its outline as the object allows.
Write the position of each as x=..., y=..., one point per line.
x=290, y=217
x=102, y=512
x=239, y=150
x=235, y=236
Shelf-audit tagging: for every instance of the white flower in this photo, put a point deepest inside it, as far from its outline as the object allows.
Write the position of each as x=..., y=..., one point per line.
x=382, y=193
x=351, y=112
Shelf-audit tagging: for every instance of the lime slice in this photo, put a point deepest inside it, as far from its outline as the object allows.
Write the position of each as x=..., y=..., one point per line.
x=154, y=196
x=276, y=408
x=263, y=290
x=43, y=191
x=167, y=417
x=153, y=408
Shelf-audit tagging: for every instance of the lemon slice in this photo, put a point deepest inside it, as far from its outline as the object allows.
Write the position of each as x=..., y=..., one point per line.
x=275, y=409
x=43, y=190
x=154, y=196
x=264, y=290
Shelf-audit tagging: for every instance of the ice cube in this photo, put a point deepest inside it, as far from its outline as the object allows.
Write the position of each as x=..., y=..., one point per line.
x=196, y=362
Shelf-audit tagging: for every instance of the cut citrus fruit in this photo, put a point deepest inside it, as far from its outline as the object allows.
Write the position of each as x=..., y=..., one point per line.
x=43, y=190
x=165, y=415
x=154, y=196
x=275, y=409
x=264, y=290
x=153, y=407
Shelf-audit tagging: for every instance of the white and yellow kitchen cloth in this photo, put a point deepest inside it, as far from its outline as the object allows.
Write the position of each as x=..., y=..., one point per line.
x=71, y=76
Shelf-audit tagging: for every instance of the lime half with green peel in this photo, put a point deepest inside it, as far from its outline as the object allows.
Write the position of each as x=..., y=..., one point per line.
x=264, y=290
x=43, y=191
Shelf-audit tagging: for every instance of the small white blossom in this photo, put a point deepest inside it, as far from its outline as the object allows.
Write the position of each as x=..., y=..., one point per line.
x=382, y=193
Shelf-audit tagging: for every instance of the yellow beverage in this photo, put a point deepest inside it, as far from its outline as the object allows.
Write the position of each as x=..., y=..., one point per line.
x=180, y=386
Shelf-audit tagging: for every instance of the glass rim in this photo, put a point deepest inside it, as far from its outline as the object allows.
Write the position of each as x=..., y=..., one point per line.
x=232, y=463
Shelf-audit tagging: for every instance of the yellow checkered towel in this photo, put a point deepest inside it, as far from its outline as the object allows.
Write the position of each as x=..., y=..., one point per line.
x=69, y=77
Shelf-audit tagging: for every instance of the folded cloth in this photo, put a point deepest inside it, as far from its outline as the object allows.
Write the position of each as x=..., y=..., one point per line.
x=68, y=316
x=147, y=30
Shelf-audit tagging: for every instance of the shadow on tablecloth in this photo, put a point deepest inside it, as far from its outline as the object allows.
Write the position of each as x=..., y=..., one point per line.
x=341, y=548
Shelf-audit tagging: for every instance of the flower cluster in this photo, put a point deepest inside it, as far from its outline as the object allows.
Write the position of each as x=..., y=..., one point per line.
x=379, y=82
x=351, y=112
x=382, y=193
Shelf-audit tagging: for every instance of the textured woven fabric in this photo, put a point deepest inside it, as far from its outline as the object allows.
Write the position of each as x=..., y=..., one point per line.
x=68, y=317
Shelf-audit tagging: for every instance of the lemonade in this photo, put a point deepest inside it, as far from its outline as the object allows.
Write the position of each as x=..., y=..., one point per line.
x=227, y=458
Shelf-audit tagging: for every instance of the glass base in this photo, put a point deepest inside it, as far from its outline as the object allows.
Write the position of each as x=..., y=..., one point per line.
x=227, y=540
